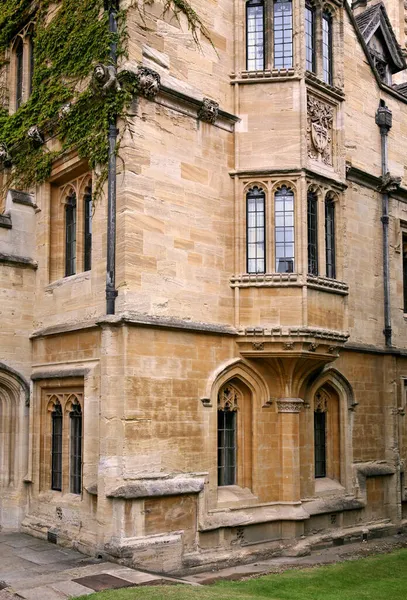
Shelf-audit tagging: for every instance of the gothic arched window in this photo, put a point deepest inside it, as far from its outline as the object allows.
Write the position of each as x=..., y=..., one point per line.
x=320, y=409
x=70, y=235
x=56, y=447
x=330, y=237
x=87, y=201
x=255, y=42
x=310, y=37
x=76, y=448
x=327, y=47
x=19, y=53
x=312, y=230
x=255, y=232
x=283, y=34
x=227, y=435
x=284, y=230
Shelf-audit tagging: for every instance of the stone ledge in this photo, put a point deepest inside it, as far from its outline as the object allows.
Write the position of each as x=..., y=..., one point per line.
x=252, y=515
x=18, y=261
x=59, y=374
x=5, y=221
x=24, y=198
x=159, y=486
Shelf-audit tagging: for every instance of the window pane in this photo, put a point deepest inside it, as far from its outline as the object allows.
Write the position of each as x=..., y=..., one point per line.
x=255, y=35
x=227, y=447
x=283, y=31
x=284, y=230
x=255, y=234
x=70, y=235
x=56, y=449
x=312, y=234
x=76, y=449
x=330, y=238
x=327, y=47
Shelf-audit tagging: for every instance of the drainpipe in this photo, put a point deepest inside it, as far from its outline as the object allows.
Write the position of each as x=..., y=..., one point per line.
x=384, y=121
x=111, y=6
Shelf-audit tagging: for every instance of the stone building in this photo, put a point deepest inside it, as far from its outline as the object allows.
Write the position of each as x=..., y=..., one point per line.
x=250, y=387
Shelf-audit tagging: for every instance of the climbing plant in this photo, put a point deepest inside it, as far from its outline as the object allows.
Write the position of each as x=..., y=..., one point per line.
x=70, y=37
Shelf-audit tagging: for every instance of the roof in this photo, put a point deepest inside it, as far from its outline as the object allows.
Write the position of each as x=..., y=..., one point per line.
x=374, y=18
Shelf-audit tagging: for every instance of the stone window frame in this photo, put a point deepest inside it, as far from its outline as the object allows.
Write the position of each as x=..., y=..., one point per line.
x=25, y=36
x=269, y=188
x=66, y=396
x=80, y=186
x=321, y=8
x=268, y=36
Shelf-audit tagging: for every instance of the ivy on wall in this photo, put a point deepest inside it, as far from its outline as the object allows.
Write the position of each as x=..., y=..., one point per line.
x=67, y=46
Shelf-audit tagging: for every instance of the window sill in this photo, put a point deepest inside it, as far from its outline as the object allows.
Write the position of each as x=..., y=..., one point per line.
x=314, y=80
x=265, y=76
x=83, y=276
x=317, y=282
x=327, y=284
x=326, y=486
x=234, y=495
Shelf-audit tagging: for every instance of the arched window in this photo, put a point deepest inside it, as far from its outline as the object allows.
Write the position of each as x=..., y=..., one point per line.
x=70, y=235
x=327, y=434
x=19, y=52
x=320, y=409
x=56, y=448
x=327, y=47
x=330, y=257
x=255, y=234
x=283, y=34
x=87, y=201
x=31, y=73
x=227, y=435
x=255, y=42
x=76, y=449
x=284, y=230
x=312, y=227
x=310, y=37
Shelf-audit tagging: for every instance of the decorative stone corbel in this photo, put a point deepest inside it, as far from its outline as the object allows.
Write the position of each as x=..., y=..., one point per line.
x=148, y=82
x=35, y=136
x=105, y=78
x=209, y=111
x=206, y=402
x=65, y=110
x=389, y=183
x=290, y=405
x=5, y=158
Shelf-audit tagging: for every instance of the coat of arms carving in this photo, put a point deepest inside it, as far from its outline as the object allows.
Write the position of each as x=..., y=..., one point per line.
x=319, y=129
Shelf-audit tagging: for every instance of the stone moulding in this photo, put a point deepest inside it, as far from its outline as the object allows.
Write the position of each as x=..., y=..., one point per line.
x=327, y=285
x=290, y=405
x=295, y=332
x=246, y=280
x=252, y=515
x=159, y=486
x=60, y=373
x=19, y=378
x=18, y=261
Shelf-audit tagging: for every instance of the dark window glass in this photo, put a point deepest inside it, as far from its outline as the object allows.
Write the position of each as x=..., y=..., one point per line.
x=70, y=235
x=56, y=451
x=327, y=47
x=283, y=34
x=405, y=271
x=256, y=261
x=320, y=443
x=284, y=230
x=19, y=73
x=309, y=38
x=255, y=35
x=312, y=233
x=227, y=447
x=76, y=449
x=330, y=238
x=87, y=263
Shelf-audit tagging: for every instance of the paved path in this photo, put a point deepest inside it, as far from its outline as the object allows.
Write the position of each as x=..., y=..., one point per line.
x=37, y=570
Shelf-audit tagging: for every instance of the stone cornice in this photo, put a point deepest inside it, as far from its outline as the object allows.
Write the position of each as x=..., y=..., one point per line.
x=289, y=405
x=18, y=261
x=373, y=182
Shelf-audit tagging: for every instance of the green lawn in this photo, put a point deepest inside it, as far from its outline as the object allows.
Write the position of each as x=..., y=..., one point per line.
x=381, y=577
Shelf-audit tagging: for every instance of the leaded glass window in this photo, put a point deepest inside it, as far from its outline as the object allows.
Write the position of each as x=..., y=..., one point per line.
x=227, y=435
x=284, y=230
x=255, y=35
x=330, y=238
x=312, y=226
x=87, y=200
x=19, y=72
x=320, y=443
x=31, y=74
x=56, y=448
x=70, y=235
x=283, y=34
x=256, y=260
x=405, y=271
x=327, y=47
x=310, y=38
x=76, y=449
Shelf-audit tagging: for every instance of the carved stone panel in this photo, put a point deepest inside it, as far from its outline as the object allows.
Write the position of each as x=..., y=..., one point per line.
x=319, y=130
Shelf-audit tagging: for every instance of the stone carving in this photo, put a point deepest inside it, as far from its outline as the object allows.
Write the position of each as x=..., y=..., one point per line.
x=209, y=111
x=312, y=347
x=288, y=346
x=321, y=401
x=35, y=135
x=258, y=346
x=290, y=405
x=105, y=78
x=206, y=402
x=319, y=130
x=148, y=82
x=333, y=350
x=65, y=110
x=5, y=157
x=228, y=398
x=389, y=183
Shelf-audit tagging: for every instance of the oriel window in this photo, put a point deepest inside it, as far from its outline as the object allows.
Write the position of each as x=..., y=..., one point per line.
x=255, y=40
x=70, y=235
x=19, y=53
x=56, y=448
x=256, y=262
x=76, y=449
x=327, y=48
x=283, y=34
x=330, y=238
x=88, y=207
x=284, y=230
x=312, y=226
x=310, y=38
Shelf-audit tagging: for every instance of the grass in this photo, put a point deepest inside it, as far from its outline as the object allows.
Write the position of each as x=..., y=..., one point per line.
x=381, y=577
